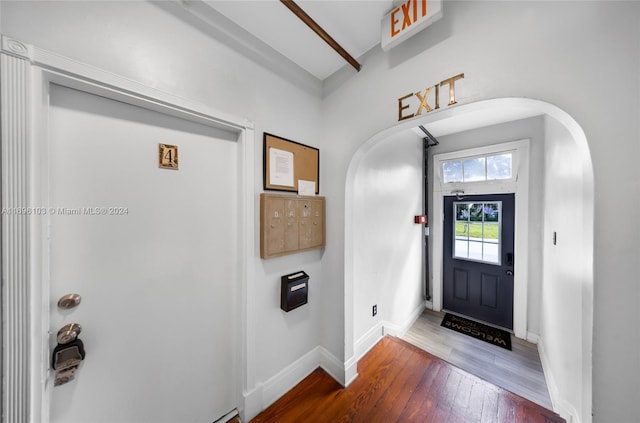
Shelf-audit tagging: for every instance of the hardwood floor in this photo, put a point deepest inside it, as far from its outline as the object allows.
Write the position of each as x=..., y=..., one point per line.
x=518, y=370
x=399, y=382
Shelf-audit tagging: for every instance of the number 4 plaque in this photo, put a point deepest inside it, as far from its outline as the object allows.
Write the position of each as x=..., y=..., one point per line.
x=168, y=156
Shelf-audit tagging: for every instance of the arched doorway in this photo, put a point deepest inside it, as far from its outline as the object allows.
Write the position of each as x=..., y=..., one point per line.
x=571, y=389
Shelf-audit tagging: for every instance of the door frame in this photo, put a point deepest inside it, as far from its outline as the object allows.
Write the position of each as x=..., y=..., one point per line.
x=26, y=75
x=519, y=186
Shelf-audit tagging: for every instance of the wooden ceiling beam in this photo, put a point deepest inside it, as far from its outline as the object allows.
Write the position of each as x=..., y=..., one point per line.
x=291, y=5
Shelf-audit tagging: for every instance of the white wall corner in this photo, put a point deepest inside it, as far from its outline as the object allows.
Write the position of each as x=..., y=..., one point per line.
x=290, y=376
x=350, y=371
x=561, y=406
x=253, y=403
x=373, y=336
x=368, y=340
x=400, y=330
x=332, y=365
x=533, y=337
x=265, y=394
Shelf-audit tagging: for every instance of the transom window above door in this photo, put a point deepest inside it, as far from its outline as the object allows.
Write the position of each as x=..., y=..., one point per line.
x=477, y=228
x=478, y=168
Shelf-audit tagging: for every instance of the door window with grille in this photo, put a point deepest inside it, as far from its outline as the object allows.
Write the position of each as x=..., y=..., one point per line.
x=477, y=231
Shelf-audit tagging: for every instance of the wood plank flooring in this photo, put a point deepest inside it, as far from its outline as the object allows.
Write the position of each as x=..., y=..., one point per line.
x=399, y=382
x=518, y=370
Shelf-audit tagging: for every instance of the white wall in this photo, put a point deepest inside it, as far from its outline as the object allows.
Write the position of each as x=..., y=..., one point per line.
x=387, y=267
x=146, y=43
x=541, y=50
x=565, y=288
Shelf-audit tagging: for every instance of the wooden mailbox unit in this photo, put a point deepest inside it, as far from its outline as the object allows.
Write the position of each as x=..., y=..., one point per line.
x=291, y=224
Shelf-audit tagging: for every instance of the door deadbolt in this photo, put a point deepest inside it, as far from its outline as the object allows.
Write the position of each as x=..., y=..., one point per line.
x=69, y=301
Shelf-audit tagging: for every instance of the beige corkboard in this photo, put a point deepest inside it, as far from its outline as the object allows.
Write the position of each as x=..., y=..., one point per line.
x=286, y=162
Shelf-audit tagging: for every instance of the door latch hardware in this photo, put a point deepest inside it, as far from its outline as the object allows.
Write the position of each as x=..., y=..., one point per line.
x=65, y=376
x=68, y=354
x=68, y=333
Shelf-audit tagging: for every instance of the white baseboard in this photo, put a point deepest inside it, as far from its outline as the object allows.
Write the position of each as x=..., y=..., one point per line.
x=561, y=406
x=265, y=394
x=367, y=341
x=252, y=404
x=400, y=330
x=383, y=327
x=332, y=365
x=231, y=414
x=533, y=337
x=289, y=377
x=350, y=371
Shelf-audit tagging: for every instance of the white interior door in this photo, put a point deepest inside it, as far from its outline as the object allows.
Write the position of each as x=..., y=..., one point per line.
x=153, y=254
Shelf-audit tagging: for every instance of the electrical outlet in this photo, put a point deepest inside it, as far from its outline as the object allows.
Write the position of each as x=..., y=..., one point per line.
x=375, y=309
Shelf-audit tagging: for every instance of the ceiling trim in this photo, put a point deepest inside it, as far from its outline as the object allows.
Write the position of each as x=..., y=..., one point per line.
x=200, y=15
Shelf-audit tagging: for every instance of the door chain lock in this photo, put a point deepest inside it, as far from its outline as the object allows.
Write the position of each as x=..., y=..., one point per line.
x=68, y=354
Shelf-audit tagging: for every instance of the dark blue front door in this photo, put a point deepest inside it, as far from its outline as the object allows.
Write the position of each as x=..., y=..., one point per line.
x=478, y=257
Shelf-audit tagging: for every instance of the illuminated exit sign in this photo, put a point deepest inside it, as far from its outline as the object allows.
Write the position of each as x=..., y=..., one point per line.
x=406, y=20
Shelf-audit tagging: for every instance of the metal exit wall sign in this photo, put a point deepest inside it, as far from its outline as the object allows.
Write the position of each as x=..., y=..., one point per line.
x=404, y=102
x=406, y=20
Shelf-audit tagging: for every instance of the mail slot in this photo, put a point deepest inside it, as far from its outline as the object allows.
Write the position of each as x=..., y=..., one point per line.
x=294, y=290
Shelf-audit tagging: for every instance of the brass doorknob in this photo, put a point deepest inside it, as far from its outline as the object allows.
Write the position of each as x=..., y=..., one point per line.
x=69, y=333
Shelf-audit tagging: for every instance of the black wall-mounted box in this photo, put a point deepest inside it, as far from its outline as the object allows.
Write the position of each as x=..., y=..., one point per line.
x=294, y=290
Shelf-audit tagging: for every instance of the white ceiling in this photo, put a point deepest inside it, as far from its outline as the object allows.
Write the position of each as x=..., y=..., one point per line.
x=354, y=24
x=269, y=33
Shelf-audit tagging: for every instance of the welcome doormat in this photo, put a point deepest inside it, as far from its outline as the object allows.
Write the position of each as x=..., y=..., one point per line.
x=486, y=333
